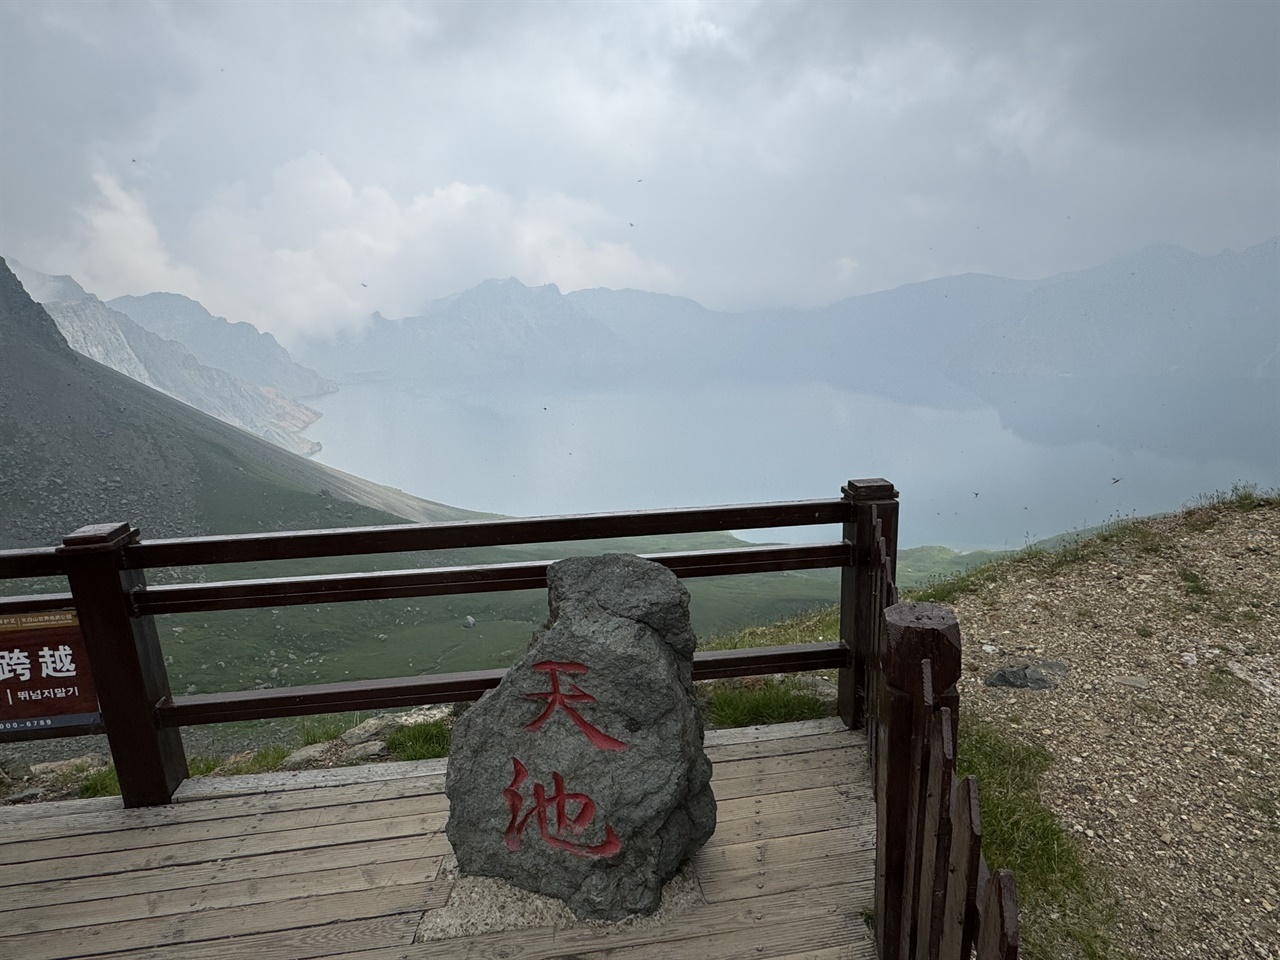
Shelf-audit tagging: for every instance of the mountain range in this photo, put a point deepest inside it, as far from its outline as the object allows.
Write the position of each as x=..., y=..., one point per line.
x=1163, y=349
x=85, y=443
x=233, y=372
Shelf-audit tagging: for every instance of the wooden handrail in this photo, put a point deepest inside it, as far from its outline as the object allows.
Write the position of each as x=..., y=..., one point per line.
x=435, y=581
x=354, y=541
x=458, y=687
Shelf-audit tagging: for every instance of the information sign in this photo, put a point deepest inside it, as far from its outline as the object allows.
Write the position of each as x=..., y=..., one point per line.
x=45, y=680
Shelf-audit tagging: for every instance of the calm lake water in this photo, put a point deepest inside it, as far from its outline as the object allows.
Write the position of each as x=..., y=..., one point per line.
x=966, y=481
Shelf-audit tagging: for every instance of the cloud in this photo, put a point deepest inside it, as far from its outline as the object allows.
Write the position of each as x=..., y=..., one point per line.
x=316, y=253
x=117, y=248
x=284, y=154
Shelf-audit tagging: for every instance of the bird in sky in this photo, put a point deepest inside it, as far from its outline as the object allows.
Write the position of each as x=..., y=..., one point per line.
x=1115, y=480
x=364, y=284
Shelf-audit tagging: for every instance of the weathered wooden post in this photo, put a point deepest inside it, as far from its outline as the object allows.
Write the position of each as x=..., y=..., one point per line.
x=870, y=500
x=128, y=666
x=921, y=655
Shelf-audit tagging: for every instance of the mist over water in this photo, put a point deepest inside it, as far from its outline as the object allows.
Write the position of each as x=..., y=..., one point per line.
x=966, y=480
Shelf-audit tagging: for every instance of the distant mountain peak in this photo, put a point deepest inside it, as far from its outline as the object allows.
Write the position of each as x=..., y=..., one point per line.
x=46, y=288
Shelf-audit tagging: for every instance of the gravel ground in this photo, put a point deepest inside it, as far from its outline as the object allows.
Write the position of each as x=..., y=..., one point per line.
x=1165, y=730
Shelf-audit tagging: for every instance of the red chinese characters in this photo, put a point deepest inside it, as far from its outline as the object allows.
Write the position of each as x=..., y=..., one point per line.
x=558, y=802
x=555, y=697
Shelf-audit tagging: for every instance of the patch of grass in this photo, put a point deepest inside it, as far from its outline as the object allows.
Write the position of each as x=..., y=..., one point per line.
x=813, y=626
x=100, y=783
x=1061, y=904
x=949, y=589
x=260, y=761
x=203, y=766
x=1221, y=684
x=420, y=741
x=322, y=729
x=1192, y=583
x=745, y=703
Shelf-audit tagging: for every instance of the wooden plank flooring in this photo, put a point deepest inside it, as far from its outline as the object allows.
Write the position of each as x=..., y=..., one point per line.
x=344, y=863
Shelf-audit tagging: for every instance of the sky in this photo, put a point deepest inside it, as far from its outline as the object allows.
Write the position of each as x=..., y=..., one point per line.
x=302, y=165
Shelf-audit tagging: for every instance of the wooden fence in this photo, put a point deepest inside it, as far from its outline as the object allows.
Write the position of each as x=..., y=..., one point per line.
x=934, y=897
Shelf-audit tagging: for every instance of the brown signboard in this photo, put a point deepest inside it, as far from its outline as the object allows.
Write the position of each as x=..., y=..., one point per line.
x=44, y=674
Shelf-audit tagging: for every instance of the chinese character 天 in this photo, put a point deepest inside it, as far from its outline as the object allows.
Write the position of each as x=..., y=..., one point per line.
x=555, y=697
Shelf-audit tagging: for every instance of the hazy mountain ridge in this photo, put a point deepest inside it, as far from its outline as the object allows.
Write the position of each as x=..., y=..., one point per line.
x=114, y=339
x=1163, y=310
x=86, y=444
x=239, y=348
x=1162, y=350
x=498, y=329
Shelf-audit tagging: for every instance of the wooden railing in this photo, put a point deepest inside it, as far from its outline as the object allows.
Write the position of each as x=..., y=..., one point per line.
x=105, y=566
x=935, y=897
x=897, y=663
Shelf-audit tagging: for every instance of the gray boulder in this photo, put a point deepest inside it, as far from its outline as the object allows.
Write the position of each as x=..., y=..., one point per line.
x=1044, y=675
x=582, y=776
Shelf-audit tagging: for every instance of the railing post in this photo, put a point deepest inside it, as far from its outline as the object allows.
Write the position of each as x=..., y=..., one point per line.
x=859, y=617
x=128, y=667
x=921, y=654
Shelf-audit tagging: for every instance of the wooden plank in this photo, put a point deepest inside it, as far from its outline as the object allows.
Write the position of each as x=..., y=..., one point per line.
x=246, y=805
x=22, y=814
x=773, y=731
x=784, y=765
x=893, y=731
x=192, y=927
x=266, y=866
x=233, y=893
x=842, y=740
x=302, y=838
x=207, y=788
x=394, y=931
x=791, y=912
x=778, y=852
x=804, y=861
x=796, y=805
x=936, y=851
x=203, y=830
x=998, y=925
x=917, y=768
x=966, y=854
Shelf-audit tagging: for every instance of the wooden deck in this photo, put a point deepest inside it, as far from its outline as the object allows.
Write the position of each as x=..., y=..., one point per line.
x=344, y=863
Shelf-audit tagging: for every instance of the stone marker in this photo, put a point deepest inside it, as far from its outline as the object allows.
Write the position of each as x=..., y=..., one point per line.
x=582, y=775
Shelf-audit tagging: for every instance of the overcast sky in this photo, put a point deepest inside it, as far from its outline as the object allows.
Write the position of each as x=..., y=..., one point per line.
x=302, y=165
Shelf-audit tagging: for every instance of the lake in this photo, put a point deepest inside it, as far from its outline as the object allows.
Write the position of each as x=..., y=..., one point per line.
x=966, y=480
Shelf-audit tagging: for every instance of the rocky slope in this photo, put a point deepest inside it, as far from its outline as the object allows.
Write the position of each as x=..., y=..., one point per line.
x=85, y=444
x=238, y=348
x=1163, y=720
x=114, y=339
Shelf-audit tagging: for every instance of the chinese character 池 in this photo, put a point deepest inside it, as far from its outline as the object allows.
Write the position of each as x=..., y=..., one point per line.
x=57, y=663
x=558, y=801
x=557, y=698
x=15, y=663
